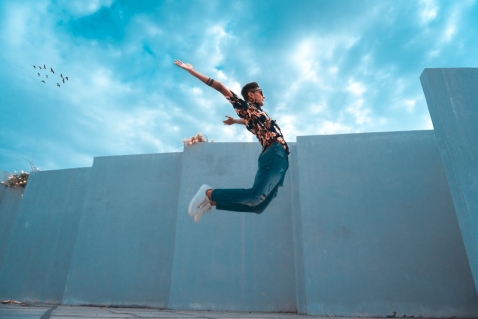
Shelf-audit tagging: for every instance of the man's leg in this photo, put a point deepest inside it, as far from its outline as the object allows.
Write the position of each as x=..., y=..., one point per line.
x=273, y=165
x=258, y=209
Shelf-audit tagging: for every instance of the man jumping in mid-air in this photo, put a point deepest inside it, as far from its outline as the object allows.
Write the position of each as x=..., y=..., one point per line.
x=273, y=161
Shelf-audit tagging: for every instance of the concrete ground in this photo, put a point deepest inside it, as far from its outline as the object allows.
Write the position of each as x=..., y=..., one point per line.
x=10, y=311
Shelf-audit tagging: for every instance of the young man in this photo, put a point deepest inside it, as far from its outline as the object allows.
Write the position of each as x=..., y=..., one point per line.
x=273, y=161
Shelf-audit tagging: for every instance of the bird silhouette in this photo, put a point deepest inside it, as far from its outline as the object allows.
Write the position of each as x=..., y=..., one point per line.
x=44, y=66
x=61, y=74
x=43, y=81
x=46, y=76
x=39, y=67
x=63, y=80
x=52, y=71
x=58, y=85
x=34, y=67
x=66, y=78
x=38, y=74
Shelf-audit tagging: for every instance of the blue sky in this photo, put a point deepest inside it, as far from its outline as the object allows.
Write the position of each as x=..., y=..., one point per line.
x=326, y=67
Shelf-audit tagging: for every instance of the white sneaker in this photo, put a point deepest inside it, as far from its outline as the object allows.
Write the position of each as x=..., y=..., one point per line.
x=205, y=208
x=200, y=204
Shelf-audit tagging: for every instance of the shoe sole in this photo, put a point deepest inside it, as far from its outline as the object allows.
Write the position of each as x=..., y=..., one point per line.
x=197, y=200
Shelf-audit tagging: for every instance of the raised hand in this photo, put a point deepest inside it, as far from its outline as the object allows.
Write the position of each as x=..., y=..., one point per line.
x=229, y=120
x=182, y=65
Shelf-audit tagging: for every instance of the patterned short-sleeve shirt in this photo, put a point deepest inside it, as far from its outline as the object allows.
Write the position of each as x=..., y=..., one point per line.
x=258, y=122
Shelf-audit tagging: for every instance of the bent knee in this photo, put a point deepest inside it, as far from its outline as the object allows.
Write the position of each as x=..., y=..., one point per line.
x=257, y=200
x=258, y=204
x=259, y=210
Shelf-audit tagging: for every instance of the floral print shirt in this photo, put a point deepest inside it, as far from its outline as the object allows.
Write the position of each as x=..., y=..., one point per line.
x=258, y=123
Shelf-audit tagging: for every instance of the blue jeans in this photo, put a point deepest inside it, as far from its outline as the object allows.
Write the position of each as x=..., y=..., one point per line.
x=273, y=164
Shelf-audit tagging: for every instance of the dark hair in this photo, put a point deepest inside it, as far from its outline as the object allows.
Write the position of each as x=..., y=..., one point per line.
x=248, y=88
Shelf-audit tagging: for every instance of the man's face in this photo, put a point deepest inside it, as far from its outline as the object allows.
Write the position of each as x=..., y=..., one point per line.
x=258, y=96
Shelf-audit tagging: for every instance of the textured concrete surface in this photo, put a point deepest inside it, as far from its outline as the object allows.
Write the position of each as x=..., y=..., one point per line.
x=124, y=247
x=452, y=98
x=76, y=312
x=231, y=260
x=364, y=225
x=38, y=256
x=297, y=231
x=379, y=229
x=10, y=201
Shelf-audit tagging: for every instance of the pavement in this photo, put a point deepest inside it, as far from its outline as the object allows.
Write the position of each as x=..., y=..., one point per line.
x=10, y=311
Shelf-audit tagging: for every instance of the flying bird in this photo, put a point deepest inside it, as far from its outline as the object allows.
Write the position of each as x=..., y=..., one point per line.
x=38, y=74
x=63, y=80
x=58, y=85
x=43, y=81
x=52, y=70
x=34, y=67
x=39, y=67
x=44, y=66
x=46, y=76
x=61, y=74
x=66, y=78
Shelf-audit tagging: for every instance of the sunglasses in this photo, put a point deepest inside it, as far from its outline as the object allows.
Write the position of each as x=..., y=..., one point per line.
x=258, y=90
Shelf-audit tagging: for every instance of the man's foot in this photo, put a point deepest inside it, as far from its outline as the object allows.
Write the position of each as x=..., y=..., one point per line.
x=200, y=204
x=205, y=208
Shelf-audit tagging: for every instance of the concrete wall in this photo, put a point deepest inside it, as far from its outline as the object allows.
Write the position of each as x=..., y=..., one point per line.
x=364, y=226
x=452, y=98
x=10, y=200
x=124, y=248
x=37, y=260
x=230, y=260
x=379, y=229
x=301, y=302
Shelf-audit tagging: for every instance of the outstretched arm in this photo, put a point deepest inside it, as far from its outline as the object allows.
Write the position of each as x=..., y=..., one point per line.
x=212, y=83
x=230, y=120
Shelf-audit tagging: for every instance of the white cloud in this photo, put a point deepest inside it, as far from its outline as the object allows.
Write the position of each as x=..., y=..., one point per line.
x=360, y=114
x=409, y=104
x=313, y=56
x=449, y=32
x=324, y=82
x=428, y=11
x=211, y=48
x=356, y=88
x=427, y=123
x=84, y=7
x=14, y=26
x=317, y=108
x=306, y=61
x=330, y=127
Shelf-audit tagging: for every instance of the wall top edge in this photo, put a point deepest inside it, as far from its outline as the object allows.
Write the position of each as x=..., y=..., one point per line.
x=421, y=132
x=431, y=70
x=458, y=68
x=133, y=155
x=62, y=169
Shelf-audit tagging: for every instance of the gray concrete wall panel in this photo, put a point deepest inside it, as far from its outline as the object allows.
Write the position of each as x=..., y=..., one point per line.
x=452, y=98
x=124, y=248
x=297, y=232
x=37, y=260
x=379, y=228
x=231, y=260
x=10, y=200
